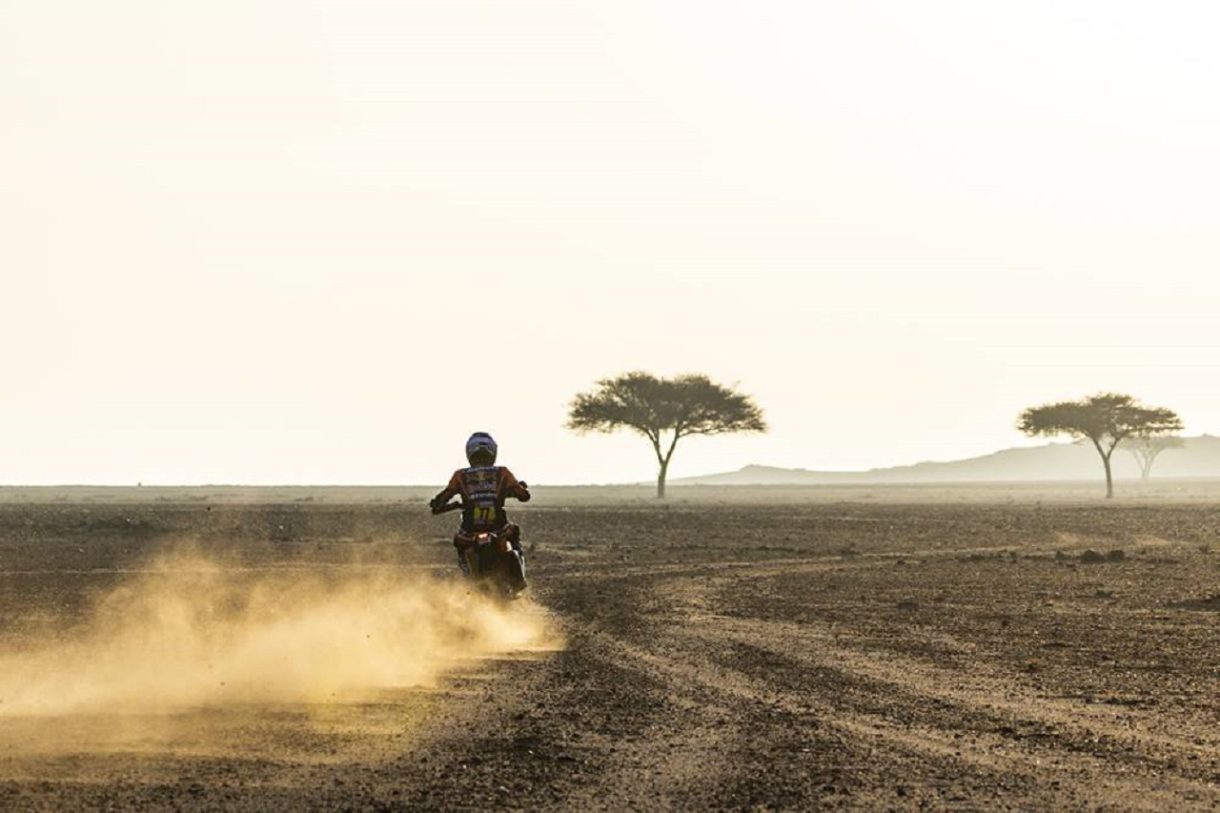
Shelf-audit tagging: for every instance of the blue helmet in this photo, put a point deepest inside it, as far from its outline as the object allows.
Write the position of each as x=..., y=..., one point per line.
x=481, y=449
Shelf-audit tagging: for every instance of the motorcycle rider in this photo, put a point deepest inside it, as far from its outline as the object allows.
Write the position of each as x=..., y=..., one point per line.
x=483, y=487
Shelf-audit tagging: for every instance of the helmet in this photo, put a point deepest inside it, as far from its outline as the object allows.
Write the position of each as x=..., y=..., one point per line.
x=481, y=449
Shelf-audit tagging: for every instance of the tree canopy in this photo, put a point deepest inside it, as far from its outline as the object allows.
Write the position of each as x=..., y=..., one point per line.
x=664, y=410
x=1105, y=419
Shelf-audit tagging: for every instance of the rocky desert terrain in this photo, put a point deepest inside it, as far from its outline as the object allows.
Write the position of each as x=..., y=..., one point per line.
x=732, y=649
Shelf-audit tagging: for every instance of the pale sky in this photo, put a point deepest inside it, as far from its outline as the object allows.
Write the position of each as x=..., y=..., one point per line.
x=283, y=242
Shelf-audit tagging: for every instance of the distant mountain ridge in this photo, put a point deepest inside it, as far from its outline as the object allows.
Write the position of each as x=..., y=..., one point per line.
x=1199, y=457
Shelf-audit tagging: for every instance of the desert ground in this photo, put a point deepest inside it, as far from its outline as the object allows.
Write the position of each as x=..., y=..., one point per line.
x=894, y=648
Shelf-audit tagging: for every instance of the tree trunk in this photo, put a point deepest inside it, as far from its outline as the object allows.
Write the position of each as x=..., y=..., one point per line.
x=1149, y=459
x=1105, y=461
x=663, y=460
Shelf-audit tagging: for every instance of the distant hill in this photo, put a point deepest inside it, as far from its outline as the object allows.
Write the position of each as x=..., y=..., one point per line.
x=1200, y=457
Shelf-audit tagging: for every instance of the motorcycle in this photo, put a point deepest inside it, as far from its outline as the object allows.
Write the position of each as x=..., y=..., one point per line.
x=489, y=559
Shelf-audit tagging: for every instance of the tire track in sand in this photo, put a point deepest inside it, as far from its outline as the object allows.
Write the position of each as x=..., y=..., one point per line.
x=1091, y=755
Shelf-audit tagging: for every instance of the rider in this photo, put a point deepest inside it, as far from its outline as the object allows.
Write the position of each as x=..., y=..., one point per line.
x=483, y=487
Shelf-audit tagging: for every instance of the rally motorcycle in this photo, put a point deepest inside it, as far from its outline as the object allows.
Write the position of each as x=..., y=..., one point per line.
x=489, y=559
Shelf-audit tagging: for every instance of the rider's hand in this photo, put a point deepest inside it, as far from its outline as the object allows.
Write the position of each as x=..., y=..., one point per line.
x=435, y=504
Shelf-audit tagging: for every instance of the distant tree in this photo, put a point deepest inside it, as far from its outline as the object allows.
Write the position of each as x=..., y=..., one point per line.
x=1145, y=448
x=664, y=410
x=1106, y=419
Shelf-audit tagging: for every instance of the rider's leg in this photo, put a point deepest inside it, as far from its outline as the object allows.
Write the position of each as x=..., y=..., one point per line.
x=513, y=533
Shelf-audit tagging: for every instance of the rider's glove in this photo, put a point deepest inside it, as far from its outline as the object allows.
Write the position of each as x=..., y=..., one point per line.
x=435, y=504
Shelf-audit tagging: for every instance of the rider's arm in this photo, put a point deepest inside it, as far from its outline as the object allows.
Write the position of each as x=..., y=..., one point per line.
x=510, y=486
x=454, y=488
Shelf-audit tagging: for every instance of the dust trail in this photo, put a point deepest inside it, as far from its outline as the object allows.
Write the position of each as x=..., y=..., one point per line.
x=191, y=632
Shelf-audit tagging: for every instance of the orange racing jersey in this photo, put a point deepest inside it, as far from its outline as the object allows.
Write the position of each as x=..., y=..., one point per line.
x=483, y=490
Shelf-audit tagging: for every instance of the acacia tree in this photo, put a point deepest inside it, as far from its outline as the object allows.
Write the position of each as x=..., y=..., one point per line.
x=664, y=410
x=1145, y=449
x=1105, y=419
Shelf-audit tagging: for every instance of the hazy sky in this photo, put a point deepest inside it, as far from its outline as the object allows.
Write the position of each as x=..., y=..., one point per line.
x=287, y=242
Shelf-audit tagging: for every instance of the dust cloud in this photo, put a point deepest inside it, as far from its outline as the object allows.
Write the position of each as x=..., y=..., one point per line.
x=191, y=632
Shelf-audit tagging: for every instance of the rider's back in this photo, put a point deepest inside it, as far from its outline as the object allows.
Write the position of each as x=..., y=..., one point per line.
x=483, y=490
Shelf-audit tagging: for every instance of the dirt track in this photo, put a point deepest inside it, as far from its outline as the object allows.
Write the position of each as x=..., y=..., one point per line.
x=718, y=655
